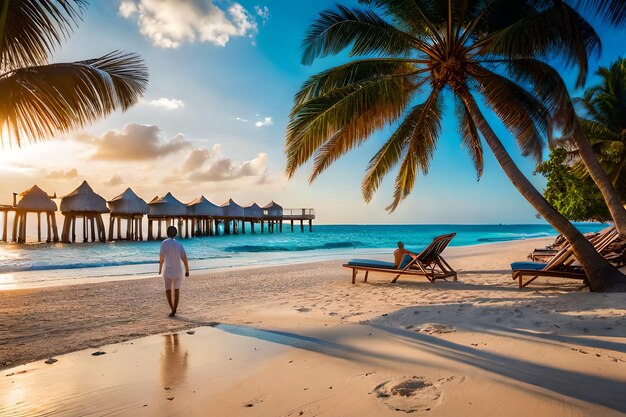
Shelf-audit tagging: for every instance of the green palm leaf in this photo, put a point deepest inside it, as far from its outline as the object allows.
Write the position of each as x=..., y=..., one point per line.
x=363, y=30
x=612, y=11
x=389, y=155
x=351, y=73
x=42, y=101
x=358, y=109
x=522, y=114
x=34, y=28
x=558, y=31
x=470, y=138
x=420, y=149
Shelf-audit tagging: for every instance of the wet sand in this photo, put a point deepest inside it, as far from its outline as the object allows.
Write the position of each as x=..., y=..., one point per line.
x=479, y=346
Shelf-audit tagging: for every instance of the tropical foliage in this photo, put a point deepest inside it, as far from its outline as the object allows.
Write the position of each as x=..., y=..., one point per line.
x=602, y=112
x=39, y=100
x=576, y=197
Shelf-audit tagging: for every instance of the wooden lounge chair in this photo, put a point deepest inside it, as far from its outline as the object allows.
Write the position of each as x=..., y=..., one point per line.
x=428, y=263
x=562, y=264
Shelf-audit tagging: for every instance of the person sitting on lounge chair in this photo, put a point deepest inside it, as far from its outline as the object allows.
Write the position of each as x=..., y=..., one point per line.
x=398, y=254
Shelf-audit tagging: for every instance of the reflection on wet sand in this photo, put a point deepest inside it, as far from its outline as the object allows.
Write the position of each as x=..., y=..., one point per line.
x=173, y=363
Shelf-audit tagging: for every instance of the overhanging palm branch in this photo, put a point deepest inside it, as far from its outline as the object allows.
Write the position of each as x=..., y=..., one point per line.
x=423, y=119
x=470, y=139
x=30, y=30
x=41, y=101
x=356, y=109
x=363, y=30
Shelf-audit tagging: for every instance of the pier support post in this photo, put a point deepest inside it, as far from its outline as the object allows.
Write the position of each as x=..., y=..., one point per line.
x=38, y=226
x=310, y=225
x=16, y=219
x=55, y=230
x=111, y=221
x=5, y=221
x=292, y=226
x=49, y=228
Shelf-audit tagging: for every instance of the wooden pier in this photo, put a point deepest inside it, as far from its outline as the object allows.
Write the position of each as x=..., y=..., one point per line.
x=199, y=218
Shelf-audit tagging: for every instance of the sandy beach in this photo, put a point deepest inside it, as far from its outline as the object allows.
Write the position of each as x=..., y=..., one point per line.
x=302, y=340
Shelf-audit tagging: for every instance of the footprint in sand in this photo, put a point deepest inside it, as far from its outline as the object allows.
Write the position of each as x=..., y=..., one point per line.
x=435, y=328
x=411, y=394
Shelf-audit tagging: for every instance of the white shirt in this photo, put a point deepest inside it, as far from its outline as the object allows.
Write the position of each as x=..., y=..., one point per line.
x=172, y=253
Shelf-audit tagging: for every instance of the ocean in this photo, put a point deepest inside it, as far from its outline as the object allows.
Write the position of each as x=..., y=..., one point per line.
x=42, y=264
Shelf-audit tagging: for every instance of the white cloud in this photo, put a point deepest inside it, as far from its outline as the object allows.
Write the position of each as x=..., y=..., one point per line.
x=170, y=23
x=267, y=121
x=114, y=181
x=224, y=169
x=127, y=8
x=263, y=12
x=134, y=142
x=167, y=103
x=71, y=174
x=239, y=119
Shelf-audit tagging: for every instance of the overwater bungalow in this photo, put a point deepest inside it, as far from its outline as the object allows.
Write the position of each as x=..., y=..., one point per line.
x=168, y=210
x=204, y=216
x=130, y=207
x=252, y=214
x=83, y=203
x=233, y=213
x=273, y=214
x=33, y=200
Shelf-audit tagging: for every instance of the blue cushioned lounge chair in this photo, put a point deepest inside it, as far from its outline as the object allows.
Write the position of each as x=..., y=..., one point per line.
x=428, y=263
x=562, y=264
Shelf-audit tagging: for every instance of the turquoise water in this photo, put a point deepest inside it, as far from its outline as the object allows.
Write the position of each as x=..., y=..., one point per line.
x=50, y=262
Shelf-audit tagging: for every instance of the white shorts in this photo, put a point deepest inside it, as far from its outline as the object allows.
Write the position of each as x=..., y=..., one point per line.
x=172, y=283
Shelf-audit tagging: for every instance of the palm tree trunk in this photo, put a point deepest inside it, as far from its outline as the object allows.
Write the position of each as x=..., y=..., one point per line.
x=601, y=275
x=602, y=180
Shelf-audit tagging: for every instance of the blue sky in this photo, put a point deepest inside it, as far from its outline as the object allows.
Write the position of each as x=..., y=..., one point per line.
x=218, y=71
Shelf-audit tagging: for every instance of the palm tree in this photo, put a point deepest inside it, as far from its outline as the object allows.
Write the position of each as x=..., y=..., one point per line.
x=422, y=49
x=39, y=100
x=603, y=117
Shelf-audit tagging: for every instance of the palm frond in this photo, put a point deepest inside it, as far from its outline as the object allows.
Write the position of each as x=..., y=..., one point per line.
x=357, y=109
x=612, y=11
x=551, y=91
x=34, y=28
x=389, y=154
x=470, y=138
x=42, y=101
x=363, y=30
x=597, y=131
x=420, y=149
x=556, y=32
x=423, y=17
x=351, y=73
x=522, y=114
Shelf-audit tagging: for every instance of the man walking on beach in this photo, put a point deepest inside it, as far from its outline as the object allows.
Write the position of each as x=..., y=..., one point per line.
x=171, y=255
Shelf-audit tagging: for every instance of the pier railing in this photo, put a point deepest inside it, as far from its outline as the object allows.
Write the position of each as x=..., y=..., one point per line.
x=298, y=213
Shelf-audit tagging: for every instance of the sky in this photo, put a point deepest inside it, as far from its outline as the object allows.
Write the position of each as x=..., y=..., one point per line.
x=212, y=122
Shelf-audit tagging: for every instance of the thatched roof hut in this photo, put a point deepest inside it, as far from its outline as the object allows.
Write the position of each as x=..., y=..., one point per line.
x=202, y=207
x=273, y=209
x=253, y=211
x=83, y=200
x=128, y=203
x=167, y=206
x=232, y=209
x=35, y=200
